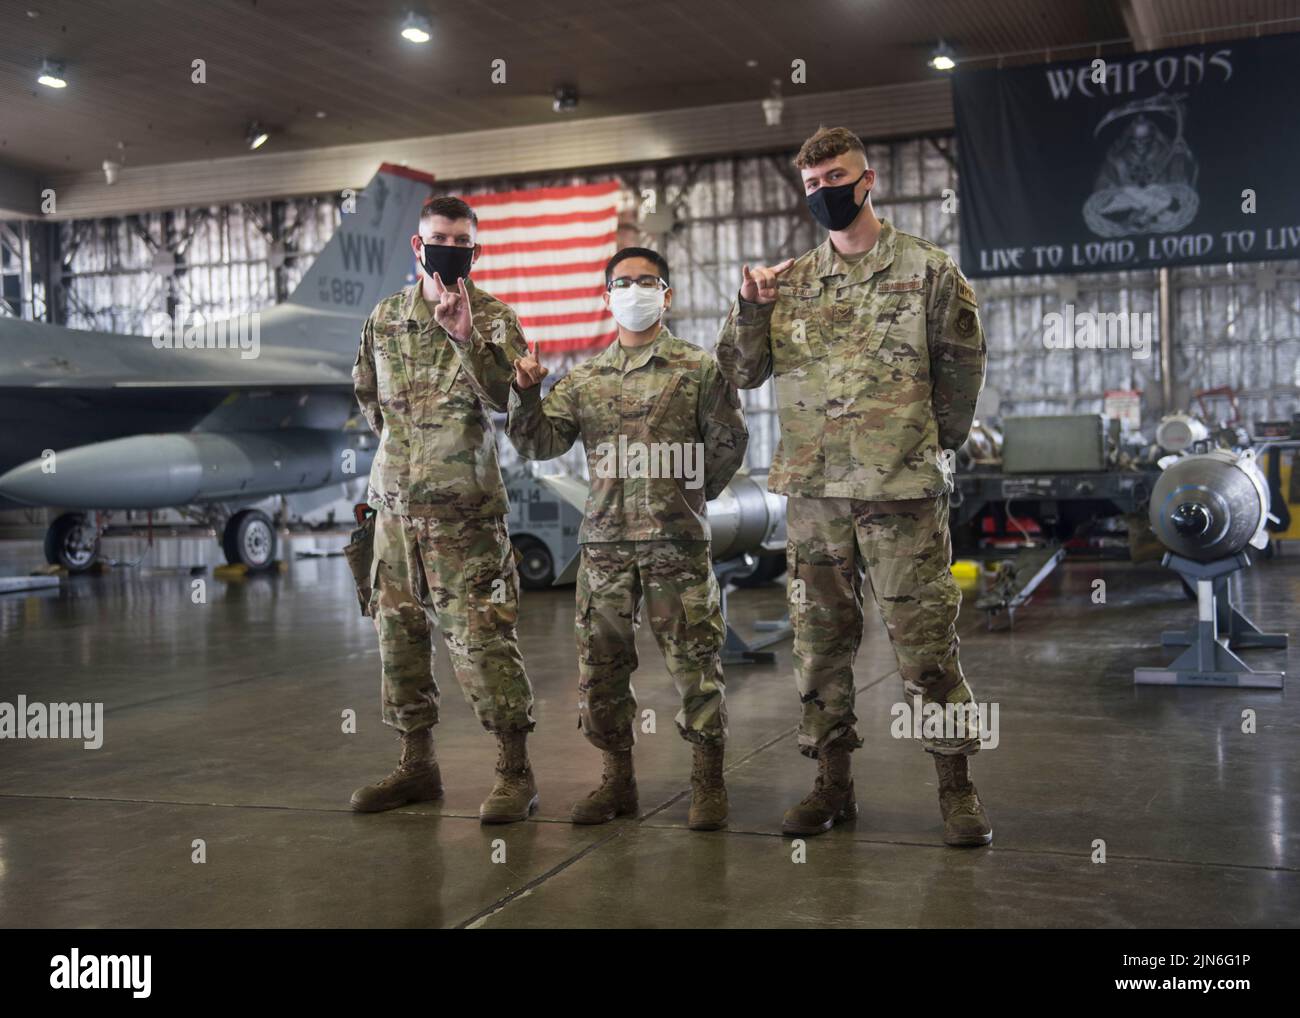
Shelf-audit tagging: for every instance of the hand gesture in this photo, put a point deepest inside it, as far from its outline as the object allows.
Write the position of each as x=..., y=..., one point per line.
x=759, y=286
x=529, y=371
x=452, y=311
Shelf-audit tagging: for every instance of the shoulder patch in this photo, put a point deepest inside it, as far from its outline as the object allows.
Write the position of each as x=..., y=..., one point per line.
x=966, y=323
x=964, y=292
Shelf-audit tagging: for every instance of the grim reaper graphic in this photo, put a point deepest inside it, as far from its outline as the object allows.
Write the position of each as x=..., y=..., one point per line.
x=1147, y=183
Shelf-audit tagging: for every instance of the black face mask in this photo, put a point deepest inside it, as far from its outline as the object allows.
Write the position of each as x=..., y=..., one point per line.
x=450, y=263
x=834, y=207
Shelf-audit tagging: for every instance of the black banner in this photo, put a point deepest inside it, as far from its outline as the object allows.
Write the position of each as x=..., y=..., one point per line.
x=1183, y=156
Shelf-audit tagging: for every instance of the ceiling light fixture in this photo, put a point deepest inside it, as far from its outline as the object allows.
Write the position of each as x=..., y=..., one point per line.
x=774, y=105
x=257, y=135
x=565, y=99
x=113, y=167
x=51, y=75
x=416, y=27
x=943, y=58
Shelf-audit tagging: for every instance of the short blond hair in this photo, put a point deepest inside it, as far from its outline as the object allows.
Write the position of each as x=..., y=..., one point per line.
x=827, y=143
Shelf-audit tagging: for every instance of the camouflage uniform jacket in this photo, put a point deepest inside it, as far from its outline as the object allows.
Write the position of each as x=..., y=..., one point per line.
x=669, y=393
x=877, y=366
x=427, y=398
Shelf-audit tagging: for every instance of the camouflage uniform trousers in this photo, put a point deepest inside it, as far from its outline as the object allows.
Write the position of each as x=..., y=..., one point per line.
x=684, y=604
x=461, y=574
x=906, y=550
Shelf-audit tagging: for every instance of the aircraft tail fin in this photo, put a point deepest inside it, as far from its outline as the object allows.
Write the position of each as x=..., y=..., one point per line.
x=369, y=255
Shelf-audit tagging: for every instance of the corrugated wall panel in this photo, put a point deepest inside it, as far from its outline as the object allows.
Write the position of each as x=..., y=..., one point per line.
x=1233, y=325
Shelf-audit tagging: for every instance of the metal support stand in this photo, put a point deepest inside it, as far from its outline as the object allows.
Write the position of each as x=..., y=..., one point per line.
x=736, y=650
x=1208, y=659
x=1015, y=581
x=13, y=584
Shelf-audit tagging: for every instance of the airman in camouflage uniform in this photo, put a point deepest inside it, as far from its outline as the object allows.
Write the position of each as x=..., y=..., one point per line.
x=645, y=535
x=878, y=357
x=425, y=379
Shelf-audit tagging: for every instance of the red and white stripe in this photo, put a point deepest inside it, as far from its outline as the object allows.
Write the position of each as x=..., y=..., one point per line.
x=544, y=254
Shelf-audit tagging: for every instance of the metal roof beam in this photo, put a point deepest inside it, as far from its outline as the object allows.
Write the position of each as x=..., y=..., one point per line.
x=889, y=111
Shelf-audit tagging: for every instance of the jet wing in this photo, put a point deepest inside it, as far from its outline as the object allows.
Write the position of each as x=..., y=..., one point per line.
x=286, y=368
x=36, y=356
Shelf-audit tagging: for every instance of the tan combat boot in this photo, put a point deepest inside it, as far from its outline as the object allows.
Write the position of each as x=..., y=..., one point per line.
x=708, y=793
x=616, y=796
x=832, y=799
x=416, y=778
x=514, y=796
x=964, y=819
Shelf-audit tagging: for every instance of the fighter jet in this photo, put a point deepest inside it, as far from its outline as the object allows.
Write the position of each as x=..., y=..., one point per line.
x=211, y=417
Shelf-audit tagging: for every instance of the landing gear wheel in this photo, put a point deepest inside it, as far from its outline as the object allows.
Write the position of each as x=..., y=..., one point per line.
x=536, y=565
x=249, y=540
x=72, y=542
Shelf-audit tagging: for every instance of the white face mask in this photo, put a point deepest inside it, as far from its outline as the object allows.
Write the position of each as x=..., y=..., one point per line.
x=636, y=308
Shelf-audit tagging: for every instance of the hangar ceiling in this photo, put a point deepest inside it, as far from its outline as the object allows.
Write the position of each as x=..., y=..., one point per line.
x=323, y=74
x=284, y=61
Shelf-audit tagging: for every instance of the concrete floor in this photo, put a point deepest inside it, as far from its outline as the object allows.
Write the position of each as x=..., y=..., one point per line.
x=223, y=723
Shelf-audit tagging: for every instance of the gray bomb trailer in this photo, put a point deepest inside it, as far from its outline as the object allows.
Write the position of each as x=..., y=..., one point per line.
x=747, y=522
x=546, y=512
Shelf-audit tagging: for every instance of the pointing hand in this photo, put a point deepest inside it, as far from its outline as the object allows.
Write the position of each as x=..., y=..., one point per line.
x=759, y=286
x=529, y=370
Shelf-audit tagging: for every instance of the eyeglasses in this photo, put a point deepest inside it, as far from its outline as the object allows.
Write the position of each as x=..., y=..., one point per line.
x=646, y=282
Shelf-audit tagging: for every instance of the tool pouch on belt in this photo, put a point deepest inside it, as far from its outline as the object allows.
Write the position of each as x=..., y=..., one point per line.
x=360, y=552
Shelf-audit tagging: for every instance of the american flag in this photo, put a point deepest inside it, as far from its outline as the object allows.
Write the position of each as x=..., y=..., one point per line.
x=544, y=254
